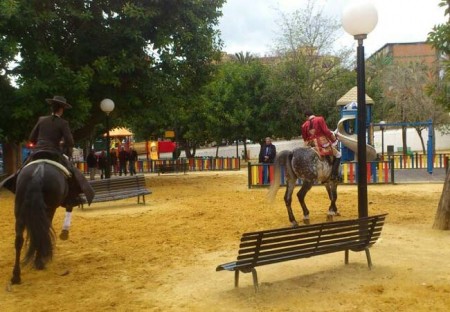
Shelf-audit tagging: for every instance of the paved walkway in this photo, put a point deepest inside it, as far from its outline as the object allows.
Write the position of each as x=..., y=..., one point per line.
x=419, y=176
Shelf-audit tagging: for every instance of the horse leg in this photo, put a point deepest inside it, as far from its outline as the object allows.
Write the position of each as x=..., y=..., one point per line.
x=290, y=185
x=306, y=186
x=39, y=259
x=15, y=279
x=331, y=187
x=64, y=235
x=39, y=263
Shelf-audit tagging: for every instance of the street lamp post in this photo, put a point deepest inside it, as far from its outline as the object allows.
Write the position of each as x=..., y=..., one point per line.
x=382, y=127
x=107, y=106
x=359, y=19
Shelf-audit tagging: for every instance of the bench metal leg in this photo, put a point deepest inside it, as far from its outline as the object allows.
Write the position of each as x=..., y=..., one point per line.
x=369, y=259
x=236, y=278
x=255, y=279
x=254, y=275
x=139, y=199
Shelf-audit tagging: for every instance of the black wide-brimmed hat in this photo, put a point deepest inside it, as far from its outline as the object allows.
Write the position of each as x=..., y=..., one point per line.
x=59, y=100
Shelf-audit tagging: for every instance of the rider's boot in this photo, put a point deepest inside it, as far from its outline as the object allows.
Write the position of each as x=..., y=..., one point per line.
x=335, y=169
x=72, y=199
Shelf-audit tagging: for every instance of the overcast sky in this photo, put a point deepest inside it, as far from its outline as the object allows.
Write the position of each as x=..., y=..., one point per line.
x=250, y=25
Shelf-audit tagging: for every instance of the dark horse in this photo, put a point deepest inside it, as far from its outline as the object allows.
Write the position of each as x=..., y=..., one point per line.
x=303, y=163
x=41, y=187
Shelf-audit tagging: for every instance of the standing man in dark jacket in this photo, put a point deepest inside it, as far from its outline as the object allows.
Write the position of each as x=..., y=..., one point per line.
x=132, y=158
x=102, y=164
x=267, y=156
x=268, y=152
x=123, y=158
x=113, y=160
x=91, y=162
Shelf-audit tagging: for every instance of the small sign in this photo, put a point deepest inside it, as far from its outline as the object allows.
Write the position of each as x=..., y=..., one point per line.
x=169, y=134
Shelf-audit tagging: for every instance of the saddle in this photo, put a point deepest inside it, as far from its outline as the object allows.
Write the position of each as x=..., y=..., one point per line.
x=327, y=157
x=46, y=154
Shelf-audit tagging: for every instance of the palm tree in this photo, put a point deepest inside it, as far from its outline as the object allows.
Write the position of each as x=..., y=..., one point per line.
x=244, y=58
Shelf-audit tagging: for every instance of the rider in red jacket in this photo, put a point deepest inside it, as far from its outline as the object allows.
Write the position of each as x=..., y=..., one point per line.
x=316, y=134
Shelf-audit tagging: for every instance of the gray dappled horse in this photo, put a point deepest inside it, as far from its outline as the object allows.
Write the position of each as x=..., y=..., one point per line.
x=41, y=187
x=303, y=163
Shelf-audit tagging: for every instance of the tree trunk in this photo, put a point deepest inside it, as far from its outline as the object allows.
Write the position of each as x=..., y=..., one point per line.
x=245, y=150
x=419, y=132
x=405, y=144
x=12, y=157
x=189, y=151
x=442, y=218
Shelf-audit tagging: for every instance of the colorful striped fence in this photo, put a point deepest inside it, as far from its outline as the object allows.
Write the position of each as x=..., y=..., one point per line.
x=181, y=165
x=378, y=172
x=418, y=161
x=214, y=163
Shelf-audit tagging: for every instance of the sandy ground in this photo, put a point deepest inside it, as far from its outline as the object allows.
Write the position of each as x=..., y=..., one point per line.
x=162, y=256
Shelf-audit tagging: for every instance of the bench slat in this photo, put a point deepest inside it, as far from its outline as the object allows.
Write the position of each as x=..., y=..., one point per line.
x=311, y=237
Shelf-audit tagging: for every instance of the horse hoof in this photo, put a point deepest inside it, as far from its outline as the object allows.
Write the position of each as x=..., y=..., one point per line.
x=15, y=280
x=64, y=235
x=39, y=265
x=294, y=224
x=329, y=218
x=306, y=221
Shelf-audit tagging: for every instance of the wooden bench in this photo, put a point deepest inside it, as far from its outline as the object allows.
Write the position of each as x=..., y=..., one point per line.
x=171, y=166
x=279, y=245
x=118, y=188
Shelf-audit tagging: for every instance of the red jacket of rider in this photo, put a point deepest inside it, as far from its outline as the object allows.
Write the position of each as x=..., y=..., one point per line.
x=316, y=127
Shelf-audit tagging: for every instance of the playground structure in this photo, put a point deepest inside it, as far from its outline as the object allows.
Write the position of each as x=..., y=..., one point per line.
x=349, y=142
x=123, y=137
x=348, y=126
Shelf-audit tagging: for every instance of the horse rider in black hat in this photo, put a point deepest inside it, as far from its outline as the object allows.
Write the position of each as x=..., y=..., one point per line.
x=46, y=135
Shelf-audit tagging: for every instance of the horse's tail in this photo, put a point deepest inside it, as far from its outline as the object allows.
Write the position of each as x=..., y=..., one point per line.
x=40, y=233
x=282, y=159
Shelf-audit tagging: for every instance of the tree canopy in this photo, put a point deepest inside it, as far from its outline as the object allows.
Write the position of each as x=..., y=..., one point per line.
x=141, y=54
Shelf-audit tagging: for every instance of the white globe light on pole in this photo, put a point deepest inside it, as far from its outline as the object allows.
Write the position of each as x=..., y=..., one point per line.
x=359, y=19
x=107, y=106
